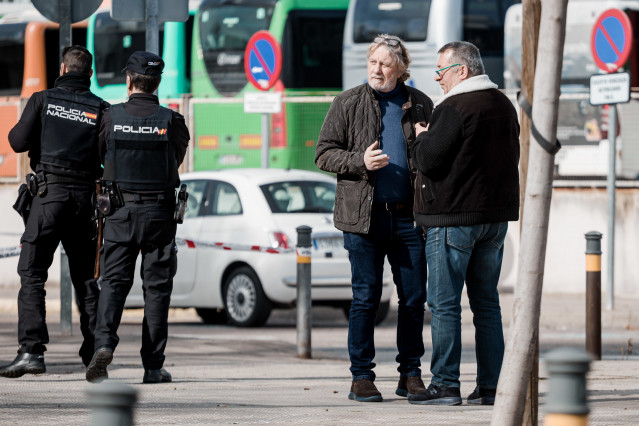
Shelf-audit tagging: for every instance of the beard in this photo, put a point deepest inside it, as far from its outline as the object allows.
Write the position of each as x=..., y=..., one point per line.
x=381, y=85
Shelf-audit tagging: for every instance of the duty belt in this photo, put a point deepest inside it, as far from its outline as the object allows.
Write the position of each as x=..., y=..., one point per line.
x=129, y=197
x=37, y=182
x=51, y=178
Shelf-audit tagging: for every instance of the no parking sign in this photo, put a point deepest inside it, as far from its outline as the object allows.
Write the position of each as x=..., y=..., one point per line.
x=611, y=40
x=263, y=60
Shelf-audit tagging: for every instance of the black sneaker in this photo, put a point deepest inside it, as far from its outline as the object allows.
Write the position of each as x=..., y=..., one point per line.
x=96, y=371
x=435, y=395
x=482, y=396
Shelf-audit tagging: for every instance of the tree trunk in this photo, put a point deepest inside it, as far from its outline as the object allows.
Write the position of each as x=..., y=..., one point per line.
x=531, y=15
x=520, y=348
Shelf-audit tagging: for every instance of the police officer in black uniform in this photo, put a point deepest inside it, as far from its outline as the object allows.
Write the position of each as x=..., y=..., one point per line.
x=59, y=127
x=143, y=145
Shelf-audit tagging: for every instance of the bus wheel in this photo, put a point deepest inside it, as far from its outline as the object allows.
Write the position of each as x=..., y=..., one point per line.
x=244, y=300
x=380, y=316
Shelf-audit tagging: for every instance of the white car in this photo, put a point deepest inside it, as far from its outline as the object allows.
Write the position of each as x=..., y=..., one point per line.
x=236, y=247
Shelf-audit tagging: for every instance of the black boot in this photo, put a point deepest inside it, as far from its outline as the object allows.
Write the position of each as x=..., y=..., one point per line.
x=97, y=369
x=156, y=376
x=24, y=363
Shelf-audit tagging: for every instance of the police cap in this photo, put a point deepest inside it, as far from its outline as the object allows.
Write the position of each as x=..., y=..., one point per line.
x=146, y=63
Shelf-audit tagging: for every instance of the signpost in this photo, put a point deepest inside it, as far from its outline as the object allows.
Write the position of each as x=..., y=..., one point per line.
x=610, y=43
x=65, y=12
x=262, y=66
x=153, y=12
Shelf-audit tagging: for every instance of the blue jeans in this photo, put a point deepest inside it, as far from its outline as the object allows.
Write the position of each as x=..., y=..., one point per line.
x=394, y=236
x=472, y=254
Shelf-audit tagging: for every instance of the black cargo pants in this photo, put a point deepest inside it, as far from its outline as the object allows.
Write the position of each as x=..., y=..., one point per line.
x=145, y=227
x=63, y=214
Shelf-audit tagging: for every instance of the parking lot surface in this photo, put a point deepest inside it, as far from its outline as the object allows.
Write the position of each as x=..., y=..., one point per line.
x=229, y=375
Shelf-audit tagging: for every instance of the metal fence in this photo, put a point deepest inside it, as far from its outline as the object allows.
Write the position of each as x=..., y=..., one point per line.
x=223, y=136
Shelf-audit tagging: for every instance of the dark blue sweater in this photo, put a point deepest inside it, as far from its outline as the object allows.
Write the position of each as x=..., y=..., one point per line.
x=393, y=181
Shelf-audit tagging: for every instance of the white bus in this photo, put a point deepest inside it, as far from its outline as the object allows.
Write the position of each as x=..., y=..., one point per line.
x=582, y=128
x=426, y=25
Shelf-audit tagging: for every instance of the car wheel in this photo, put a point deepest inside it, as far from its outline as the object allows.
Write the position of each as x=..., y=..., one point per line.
x=212, y=316
x=380, y=316
x=244, y=300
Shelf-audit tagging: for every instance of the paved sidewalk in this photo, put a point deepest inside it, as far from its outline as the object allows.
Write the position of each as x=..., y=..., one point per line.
x=229, y=375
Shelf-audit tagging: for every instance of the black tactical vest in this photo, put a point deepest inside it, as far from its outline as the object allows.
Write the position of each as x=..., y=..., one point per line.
x=139, y=156
x=70, y=130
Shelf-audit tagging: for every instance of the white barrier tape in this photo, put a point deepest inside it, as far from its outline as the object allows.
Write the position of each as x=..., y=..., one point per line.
x=15, y=251
x=227, y=246
x=9, y=251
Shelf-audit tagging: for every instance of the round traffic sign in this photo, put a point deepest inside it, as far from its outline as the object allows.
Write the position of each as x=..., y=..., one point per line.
x=263, y=60
x=79, y=9
x=611, y=40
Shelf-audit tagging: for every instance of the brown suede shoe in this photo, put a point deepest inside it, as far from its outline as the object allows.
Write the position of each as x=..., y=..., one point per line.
x=408, y=386
x=364, y=390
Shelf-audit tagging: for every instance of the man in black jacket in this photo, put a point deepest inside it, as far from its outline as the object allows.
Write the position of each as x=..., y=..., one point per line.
x=59, y=127
x=366, y=140
x=468, y=190
x=142, y=145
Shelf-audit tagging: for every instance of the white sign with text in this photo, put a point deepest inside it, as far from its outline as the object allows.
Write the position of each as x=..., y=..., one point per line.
x=264, y=102
x=608, y=89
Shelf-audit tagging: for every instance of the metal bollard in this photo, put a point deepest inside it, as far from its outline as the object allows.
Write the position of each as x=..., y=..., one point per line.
x=567, y=368
x=112, y=404
x=593, y=294
x=66, y=294
x=303, y=250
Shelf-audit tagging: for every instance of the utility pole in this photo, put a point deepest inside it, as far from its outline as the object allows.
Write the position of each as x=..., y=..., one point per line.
x=516, y=368
x=531, y=15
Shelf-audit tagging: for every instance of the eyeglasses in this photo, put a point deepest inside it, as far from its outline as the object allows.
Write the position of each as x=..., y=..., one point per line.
x=439, y=71
x=392, y=42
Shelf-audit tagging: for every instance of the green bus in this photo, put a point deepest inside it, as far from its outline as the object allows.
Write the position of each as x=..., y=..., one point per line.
x=310, y=33
x=112, y=42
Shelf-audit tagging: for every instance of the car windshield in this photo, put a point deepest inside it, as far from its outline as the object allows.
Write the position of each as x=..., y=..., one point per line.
x=300, y=196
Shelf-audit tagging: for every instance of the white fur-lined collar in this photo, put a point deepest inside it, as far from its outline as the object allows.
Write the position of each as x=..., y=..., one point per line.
x=472, y=84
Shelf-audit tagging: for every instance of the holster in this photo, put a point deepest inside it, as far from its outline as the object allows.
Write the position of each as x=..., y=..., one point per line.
x=32, y=184
x=41, y=182
x=110, y=199
x=180, y=204
x=23, y=202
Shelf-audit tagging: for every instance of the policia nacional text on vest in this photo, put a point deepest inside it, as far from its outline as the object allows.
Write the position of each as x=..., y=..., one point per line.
x=71, y=146
x=69, y=131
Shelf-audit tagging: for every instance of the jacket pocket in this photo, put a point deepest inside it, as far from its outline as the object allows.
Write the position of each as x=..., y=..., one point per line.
x=347, y=202
x=424, y=191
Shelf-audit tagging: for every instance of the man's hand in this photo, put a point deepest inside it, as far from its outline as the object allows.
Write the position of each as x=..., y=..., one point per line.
x=373, y=158
x=419, y=128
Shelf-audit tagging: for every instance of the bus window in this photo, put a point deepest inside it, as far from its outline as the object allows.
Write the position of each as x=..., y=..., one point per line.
x=484, y=27
x=407, y=19
x=11, y=58
x=114, y=42
x=312, y=49
x=225, y=30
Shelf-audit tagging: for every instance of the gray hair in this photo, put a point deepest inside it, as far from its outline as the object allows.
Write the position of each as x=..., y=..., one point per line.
x=398, y=52
x=467, y=54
